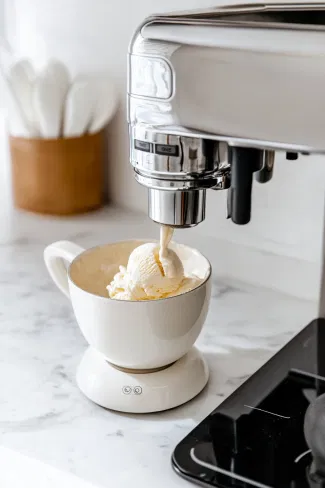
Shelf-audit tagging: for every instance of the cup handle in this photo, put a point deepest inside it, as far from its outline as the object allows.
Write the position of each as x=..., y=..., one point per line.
x=54, y=256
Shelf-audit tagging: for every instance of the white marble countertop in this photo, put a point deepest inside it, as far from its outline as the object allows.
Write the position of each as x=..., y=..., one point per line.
x=43, y=414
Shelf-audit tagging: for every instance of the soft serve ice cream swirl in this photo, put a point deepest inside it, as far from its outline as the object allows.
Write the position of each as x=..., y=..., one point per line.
x=153, y=271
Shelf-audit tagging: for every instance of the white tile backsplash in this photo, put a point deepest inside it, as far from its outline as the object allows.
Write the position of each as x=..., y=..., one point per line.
x=288, y=212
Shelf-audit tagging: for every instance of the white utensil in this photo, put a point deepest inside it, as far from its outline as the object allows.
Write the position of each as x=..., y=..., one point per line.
x=105, y=105
x=25, y=67
x=17, y=124
x=79, y=107
x=50, y=91
x=21, y=77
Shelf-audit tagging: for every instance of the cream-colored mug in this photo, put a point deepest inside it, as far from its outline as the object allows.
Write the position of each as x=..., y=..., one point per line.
x=134, y=335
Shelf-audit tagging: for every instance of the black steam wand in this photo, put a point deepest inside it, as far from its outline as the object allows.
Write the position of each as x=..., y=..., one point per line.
x=244, y=162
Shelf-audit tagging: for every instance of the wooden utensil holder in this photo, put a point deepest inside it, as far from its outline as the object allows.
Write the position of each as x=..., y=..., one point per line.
x=58, y=176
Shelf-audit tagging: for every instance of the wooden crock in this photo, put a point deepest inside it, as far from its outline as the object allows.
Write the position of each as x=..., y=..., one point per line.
x=58, y=176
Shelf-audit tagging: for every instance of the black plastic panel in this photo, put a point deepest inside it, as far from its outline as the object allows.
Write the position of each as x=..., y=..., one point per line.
x=255, y=438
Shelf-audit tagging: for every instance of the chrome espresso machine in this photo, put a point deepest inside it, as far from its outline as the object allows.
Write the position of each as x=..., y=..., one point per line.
x=212, y=96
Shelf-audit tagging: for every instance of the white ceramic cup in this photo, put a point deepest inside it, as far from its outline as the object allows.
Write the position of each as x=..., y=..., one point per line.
x=129, y=334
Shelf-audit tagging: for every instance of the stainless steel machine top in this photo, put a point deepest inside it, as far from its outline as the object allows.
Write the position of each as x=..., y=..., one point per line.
x=212, y=94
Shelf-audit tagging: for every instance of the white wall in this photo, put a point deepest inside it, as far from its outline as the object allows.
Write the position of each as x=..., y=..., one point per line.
x=90, y=35
x=94, y=35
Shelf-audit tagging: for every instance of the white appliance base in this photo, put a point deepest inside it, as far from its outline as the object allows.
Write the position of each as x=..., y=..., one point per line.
x=145, y=392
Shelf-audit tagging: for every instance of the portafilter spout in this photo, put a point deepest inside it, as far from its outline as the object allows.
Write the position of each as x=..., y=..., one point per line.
x=177, y=208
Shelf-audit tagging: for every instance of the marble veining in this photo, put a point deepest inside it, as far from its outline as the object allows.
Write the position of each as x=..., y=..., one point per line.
x=43, y=414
